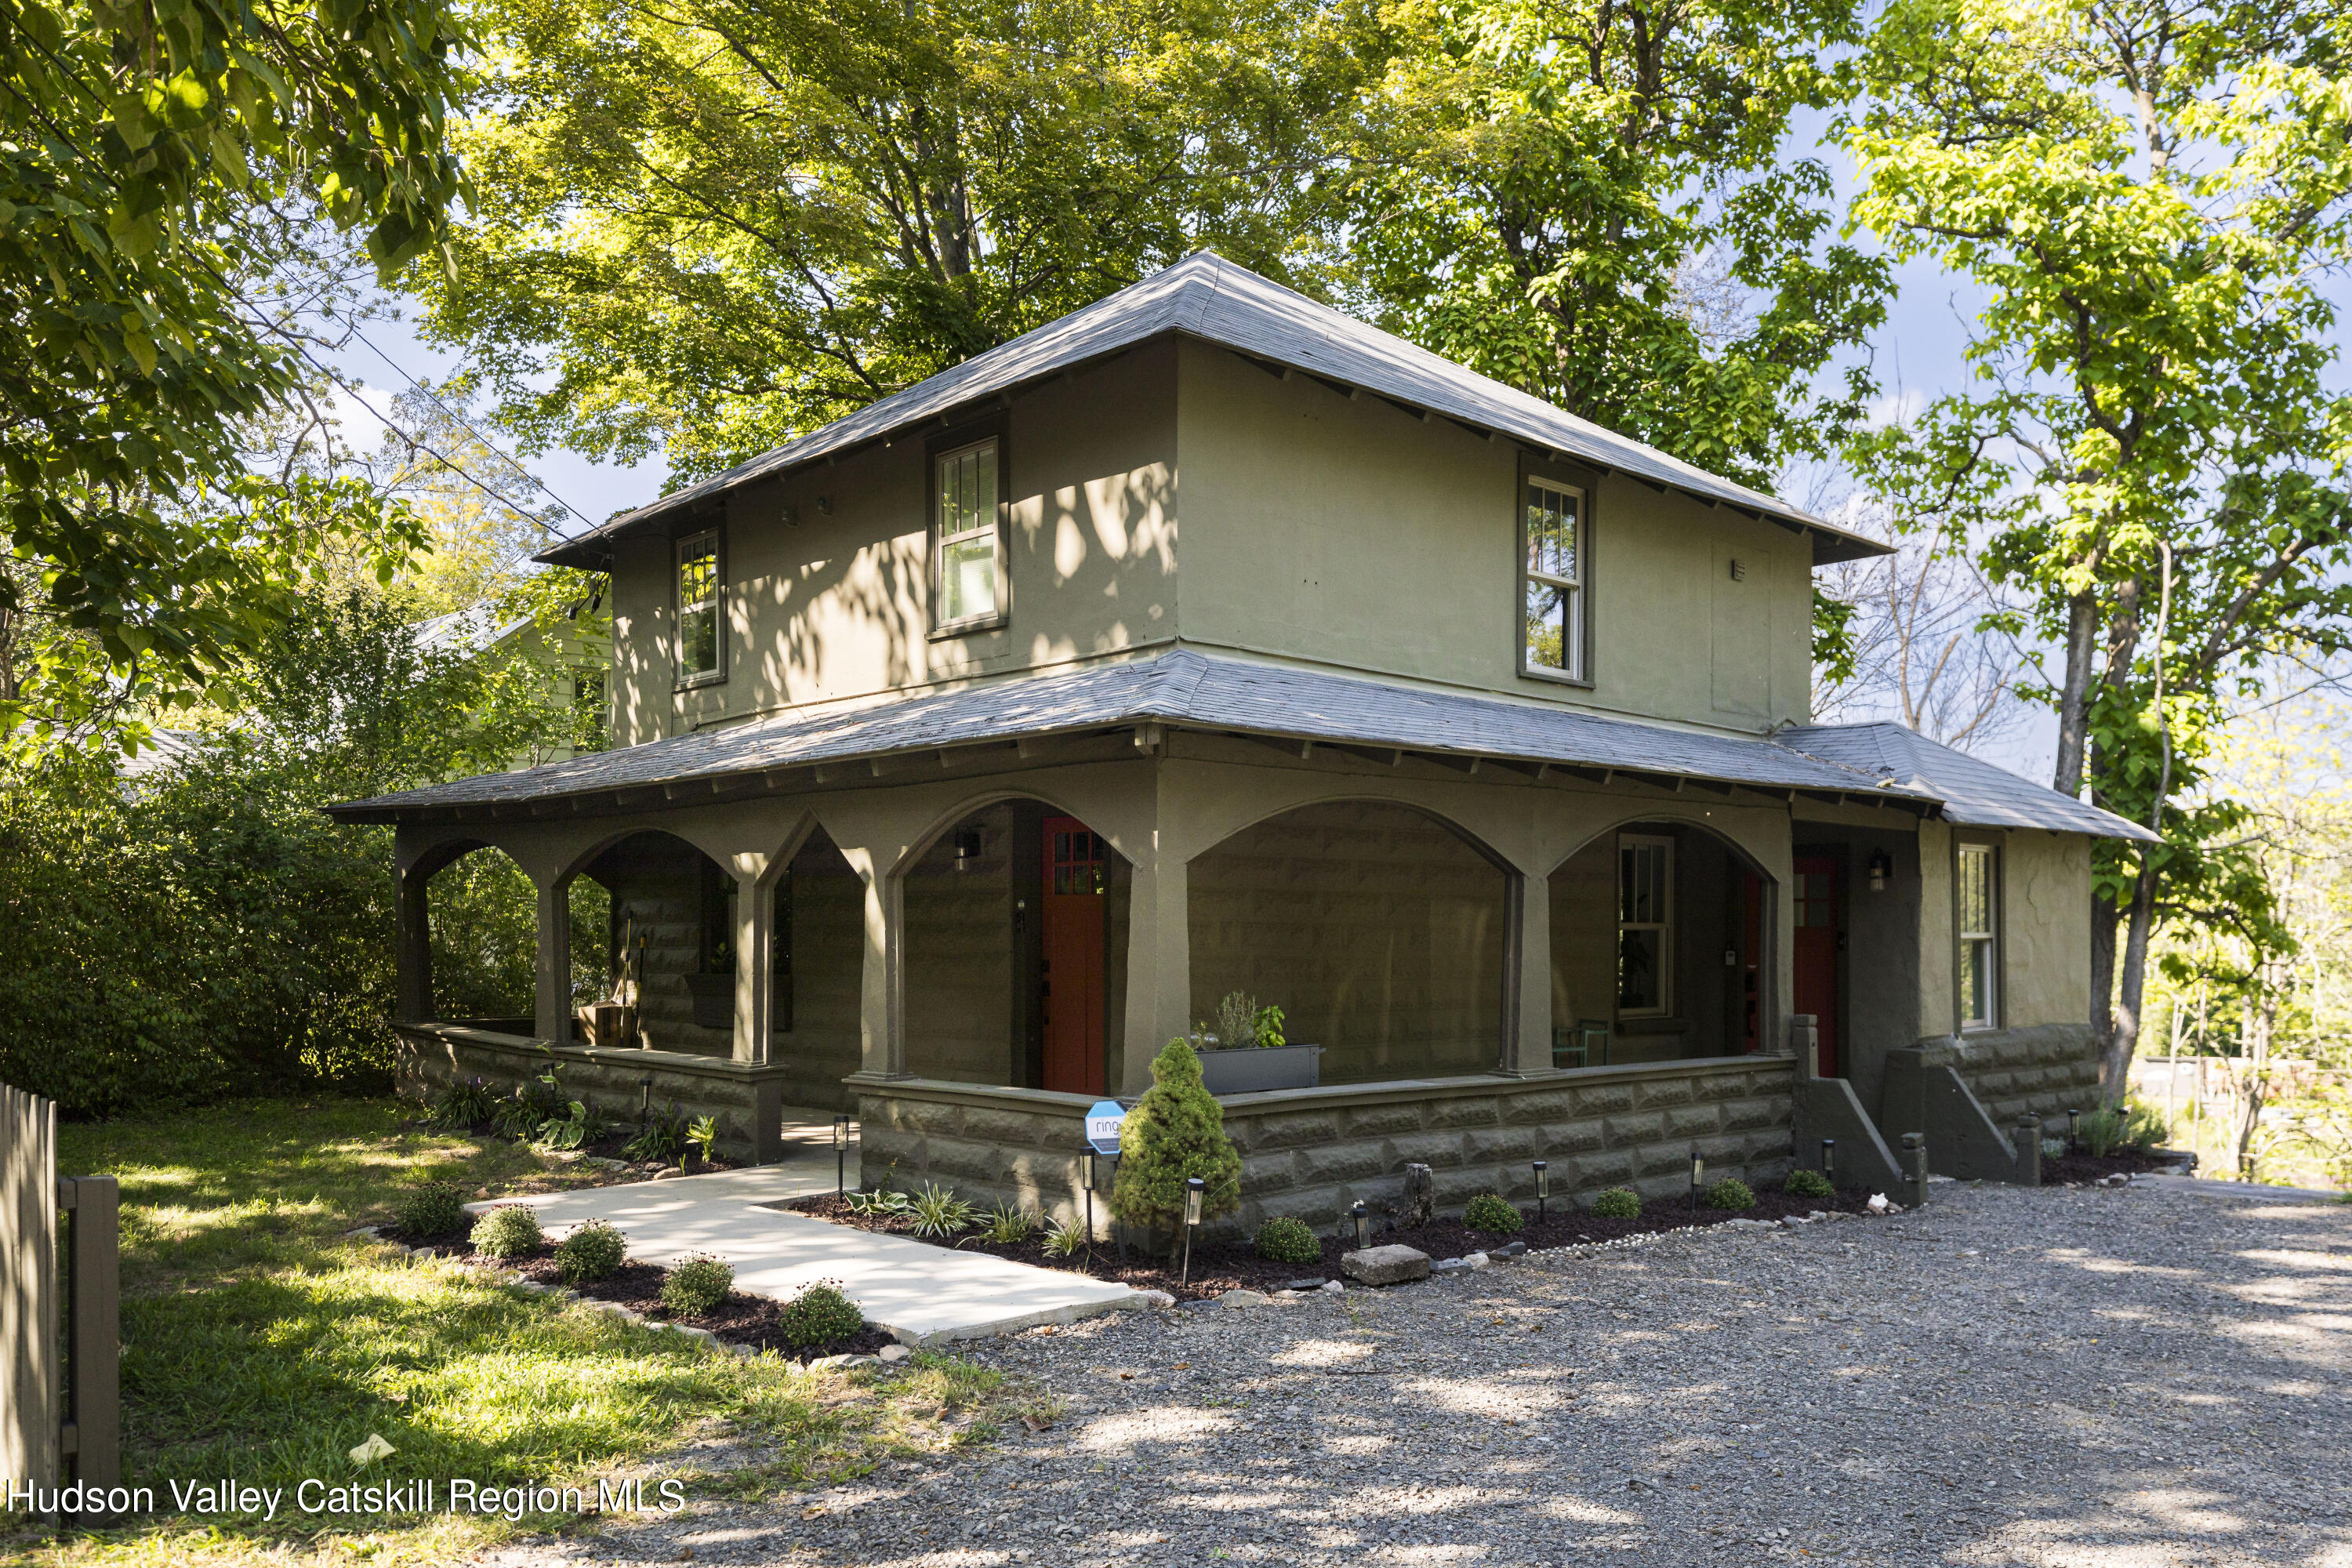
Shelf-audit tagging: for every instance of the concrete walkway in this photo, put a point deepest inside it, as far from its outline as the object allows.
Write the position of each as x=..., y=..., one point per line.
x=921, y=1293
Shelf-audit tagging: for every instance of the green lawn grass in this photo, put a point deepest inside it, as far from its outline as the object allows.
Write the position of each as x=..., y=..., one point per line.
x=261, y=1342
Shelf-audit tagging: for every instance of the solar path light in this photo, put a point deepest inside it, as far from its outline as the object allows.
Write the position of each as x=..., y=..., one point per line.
x=1543, y=1188
x=1193, y=1187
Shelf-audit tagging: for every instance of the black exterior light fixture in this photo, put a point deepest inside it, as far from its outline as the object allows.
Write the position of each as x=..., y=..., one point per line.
x=1829, y=1161
x=1087, y=1158
x=841, y=1155
x=1882, y=865
x=1363, y=1218
x=967, y=848
x=2074, y=1130
x=1543, y=1188
x=1193, y=1187
x=1699, y=1173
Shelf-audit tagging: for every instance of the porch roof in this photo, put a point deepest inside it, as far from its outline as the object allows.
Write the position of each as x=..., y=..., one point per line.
x=1975, y=793
x=1209, y=298
x=1179, y=689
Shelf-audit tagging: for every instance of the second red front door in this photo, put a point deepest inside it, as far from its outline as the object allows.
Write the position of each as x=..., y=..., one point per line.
x=1076, y=877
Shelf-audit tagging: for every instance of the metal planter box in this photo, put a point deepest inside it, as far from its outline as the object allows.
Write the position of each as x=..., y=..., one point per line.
x=1251, y=1070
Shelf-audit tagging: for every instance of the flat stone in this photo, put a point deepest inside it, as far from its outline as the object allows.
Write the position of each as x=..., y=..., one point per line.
x=1332, y=1288
x=1476, y=1259
x=370, y=1231
x=1449, y=1266
x=1243, y=1298
x=895, y=1352
x=845, y=1360
x=1509, y=1249
x=1156, y=1297
x=1304, y=1284
x=1390, y=1265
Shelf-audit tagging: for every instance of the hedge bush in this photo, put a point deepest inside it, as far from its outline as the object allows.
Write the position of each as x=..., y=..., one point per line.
x=594, y=1252
x=1286, y=1240
x=1618, y=1202
x=510, y=1231
x=697, y=1283
x=1803, y=1183
x=817, y=1316
x=1729, y=1193
x=436, y=1210
x=1490, y=1215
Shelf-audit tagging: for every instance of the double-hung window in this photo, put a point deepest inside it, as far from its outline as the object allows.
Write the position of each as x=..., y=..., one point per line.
x=1553, y=580
x=1977, y=874
x=970, y=590
x=701, y=584
x=1646, y=925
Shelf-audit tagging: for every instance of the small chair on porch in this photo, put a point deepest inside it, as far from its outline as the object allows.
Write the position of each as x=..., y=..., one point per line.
x=1574, y=1044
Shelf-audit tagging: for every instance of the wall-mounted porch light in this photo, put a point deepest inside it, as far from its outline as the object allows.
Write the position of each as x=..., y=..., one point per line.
x=1543, y=1188
x=967, y=848
x=1193, y=1187
x=1882, y=865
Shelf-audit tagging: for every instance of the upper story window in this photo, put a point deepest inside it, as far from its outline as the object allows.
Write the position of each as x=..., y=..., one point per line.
x=1553, y=580
x=971, y=587
x=1976, y=873
x=1646, y=925
x=701, y=581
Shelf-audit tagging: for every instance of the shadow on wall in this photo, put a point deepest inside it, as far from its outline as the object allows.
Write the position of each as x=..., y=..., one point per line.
x=1376, y=929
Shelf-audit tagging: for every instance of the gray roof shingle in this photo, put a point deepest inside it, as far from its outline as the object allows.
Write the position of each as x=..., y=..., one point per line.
x=1975, y=793
x=1179, y=688
x=1206, y=297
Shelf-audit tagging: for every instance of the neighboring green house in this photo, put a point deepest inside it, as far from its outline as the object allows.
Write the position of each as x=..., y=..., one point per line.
x=572, y=656
x=970, y=747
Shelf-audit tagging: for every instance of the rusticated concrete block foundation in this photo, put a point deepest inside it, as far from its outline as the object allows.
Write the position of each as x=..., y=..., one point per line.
x=1312, y=1152
x=746, y=1098
x=2041, y=1071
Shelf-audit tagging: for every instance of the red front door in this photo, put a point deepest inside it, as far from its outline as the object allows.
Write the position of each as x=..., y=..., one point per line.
x=1816, y=953
x=1075, y=870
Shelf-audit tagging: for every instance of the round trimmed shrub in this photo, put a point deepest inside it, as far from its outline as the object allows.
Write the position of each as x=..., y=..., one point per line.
x=1618, y=1202
x=818, y=1316
x=1729, y=1193
x=1286, y=1240
x=1491, y=1215
x=594, y=1252
x=697, y=1283
x=1809, y=1185
x=509, y=1232
x=436, y=1210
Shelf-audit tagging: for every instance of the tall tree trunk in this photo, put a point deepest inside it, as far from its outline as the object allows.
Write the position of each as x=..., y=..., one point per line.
x=2256, y=1087
x=2074, y=694
x=2104, y=918
x=2123, y=1032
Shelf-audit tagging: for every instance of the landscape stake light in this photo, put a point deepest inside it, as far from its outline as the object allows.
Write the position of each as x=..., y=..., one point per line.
x=1543, y=1188
x=1363, y=1218
x=1086, y=1180
x=2074, y=1130
x=1193, y=1187
x=1829, y=1161
x=841, y=1156
x=1698, y=1172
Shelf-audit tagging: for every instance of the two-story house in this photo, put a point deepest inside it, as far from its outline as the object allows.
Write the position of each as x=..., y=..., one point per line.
x=1208, y=640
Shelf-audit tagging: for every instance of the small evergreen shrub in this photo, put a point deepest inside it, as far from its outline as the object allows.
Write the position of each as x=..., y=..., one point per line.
x=1489, y=1215
x=696, y=1284
x=436, y=1210
x=1729, y=1193
x=1809, y=1185
x=509, y=1232
x=820, y=1315
x=1286, y=1240
x=1618, y=1202
x=1177, y=1131
x=594, y=1252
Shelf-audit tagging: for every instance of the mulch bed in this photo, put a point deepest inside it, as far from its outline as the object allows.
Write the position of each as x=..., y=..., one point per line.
x=606, y=1148
x=2082, y=1170
x=1222, y=1266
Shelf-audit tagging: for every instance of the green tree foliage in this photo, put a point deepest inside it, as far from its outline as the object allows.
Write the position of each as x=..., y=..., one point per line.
x=149, y=157
x=1176, y=1131
x=2150, y=193
x=200, y=928
x=1593, y=202
x=708, y=226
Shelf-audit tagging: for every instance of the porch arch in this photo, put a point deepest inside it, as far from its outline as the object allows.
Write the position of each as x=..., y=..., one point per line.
x=476, y=922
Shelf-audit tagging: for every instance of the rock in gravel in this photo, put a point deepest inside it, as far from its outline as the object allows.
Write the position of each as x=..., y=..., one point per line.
x=1156, y=1297
x=1476, y=1259
x=1303, y=1285
x=1332, y=1286
x=847, y=1361
x=1390, y=1265
x=1509, y=1249
x=895, y=1352
x=1449, y=1266
x=1243, y=1298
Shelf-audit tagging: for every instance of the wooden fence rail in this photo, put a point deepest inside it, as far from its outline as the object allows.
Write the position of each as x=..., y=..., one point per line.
x=61, y=1405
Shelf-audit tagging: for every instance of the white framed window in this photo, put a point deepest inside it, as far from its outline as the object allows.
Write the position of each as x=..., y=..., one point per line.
x=701, y=584
x=970, y=589
x=1553, y=580
x=1646, y=925
x=1977, y=877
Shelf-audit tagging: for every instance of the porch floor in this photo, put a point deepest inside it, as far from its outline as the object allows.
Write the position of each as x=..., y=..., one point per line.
x=921, y=1293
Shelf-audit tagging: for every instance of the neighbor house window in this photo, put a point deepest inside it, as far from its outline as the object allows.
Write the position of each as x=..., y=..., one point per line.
x=1645, y=924
x=970, y=586
x=701, y=651
x=1979, y=916
x=1552, y=584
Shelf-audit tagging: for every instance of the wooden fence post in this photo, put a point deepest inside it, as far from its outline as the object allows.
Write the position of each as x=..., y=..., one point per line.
x=92, y=1429
x=29, y=1274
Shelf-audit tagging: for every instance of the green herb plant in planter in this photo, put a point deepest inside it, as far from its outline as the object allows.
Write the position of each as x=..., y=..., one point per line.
x=1490, y=1214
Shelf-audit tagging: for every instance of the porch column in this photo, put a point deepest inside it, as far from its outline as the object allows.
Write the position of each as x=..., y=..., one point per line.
x=881, y=1010
x=1159, y=962
x=1527, y=975
x=754, y=956
x=553, y=1013
x=413, y=950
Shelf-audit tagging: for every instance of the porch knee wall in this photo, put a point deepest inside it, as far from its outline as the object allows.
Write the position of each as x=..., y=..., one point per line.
x=1311, y=1153
x=2039, y=1071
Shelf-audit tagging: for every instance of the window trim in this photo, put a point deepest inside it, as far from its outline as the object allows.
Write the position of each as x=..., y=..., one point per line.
x=717, y=674
x=953, y=444
x=1664, y=926
x=1989, y=939
x=1582, y=486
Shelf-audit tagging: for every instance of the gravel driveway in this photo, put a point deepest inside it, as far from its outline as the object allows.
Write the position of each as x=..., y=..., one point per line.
x=2101, y=1378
